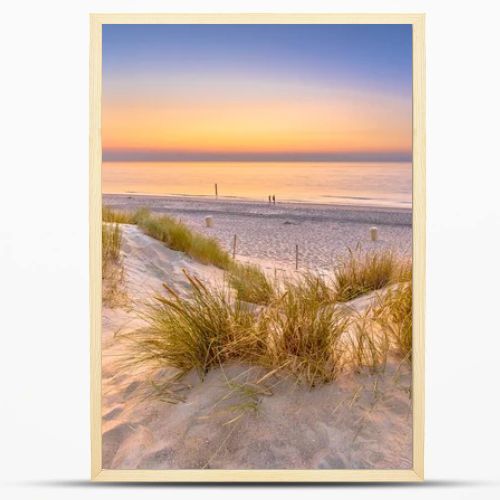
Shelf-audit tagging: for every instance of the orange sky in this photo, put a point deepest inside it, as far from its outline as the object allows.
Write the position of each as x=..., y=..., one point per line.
x=318, y=124
x=211, y=97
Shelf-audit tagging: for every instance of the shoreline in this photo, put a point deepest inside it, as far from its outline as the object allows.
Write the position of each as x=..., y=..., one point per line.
x=241, y=199
x=284, y=209
x=271, y=233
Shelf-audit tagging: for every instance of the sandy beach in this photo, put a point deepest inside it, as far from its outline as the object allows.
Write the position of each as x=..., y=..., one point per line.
x=362, y=420
x=268, y=233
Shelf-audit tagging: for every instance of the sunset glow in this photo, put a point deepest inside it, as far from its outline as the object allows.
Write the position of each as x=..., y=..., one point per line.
x=269, y=90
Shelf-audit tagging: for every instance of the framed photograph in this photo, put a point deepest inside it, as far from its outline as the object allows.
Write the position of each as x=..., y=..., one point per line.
x=257, y=247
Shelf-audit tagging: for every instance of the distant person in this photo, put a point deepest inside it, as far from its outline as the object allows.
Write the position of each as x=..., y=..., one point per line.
x=269, y=198
x=274, y=200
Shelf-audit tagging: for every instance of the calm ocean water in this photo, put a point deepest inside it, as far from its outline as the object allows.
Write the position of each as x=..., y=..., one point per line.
x=378, y=184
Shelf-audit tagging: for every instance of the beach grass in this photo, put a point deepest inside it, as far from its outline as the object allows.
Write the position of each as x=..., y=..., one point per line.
x=404, y=270
x=304, y=332
x=111, y=245
x=113, y=293
x=194, y=333
x=370, y=344
x=311, y=288
x=301, y=331
x=297, y=332
x=175, y=234
x=360, y=273
x=296, y=326
x=396, y=317
x=118, y=217
x=251, y=283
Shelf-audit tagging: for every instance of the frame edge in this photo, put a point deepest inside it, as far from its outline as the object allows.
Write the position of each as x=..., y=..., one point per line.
x=95, y=58
x=95, y=209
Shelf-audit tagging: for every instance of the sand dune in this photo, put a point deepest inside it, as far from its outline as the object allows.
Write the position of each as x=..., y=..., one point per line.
x=270, y=232
x=359, y=421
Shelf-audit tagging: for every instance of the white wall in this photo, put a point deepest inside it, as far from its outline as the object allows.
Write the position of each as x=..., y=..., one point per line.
x=44, y=449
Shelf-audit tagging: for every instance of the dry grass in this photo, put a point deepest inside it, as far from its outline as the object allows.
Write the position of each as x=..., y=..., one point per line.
x=301, y=331
x=300, y=328
x=118, y=217
x=297, y=332
x=178, y=236
x=197, y=332
x=174, y=234
x=111, y=245
x=404, y=270
x=395, y=316
x=363, y=272
x=305, y=334
x=251, y=283
x=370, y=344
x=113, y=294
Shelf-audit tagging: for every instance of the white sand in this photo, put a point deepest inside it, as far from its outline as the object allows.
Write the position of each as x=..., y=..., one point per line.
x=270, y=232
x=359, y=421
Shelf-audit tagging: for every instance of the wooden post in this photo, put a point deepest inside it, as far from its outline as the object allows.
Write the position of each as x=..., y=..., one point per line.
x=296, y=257
x=234, y=246
x=216, y=193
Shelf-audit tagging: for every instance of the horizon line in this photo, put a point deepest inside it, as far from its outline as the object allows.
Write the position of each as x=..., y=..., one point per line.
x=184, y=156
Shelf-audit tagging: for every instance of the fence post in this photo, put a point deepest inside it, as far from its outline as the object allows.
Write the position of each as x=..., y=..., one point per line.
x=234, y=246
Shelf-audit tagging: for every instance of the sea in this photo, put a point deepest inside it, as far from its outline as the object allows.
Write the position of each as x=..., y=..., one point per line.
x=376, y=184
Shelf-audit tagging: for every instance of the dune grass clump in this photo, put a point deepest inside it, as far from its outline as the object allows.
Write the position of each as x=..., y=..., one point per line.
x=251, y=283
x=360, y=273
x=167, y=230
x=404, y=270
x=395, y=316
x=299, y=332
x=370, y=345
x=202, y=330
x=113, y=293
x=177, y=236
x=174, y=234
x=118, y=217
x=125, y=217
x=209, y=251
x=311, y=288
x=305, y=334
x=111, y=245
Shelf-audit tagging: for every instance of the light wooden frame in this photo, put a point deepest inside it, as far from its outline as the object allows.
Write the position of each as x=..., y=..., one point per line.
x=415, y=474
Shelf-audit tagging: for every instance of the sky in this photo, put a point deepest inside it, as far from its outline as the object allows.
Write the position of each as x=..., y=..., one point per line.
x=257, y=92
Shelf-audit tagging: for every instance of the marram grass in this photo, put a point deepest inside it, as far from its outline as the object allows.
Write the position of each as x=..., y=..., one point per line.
x=363, y=272
x=298, y=332
x=113, y=293
x=396, y=317
x=194, y=333
x=305, y=334
x=299, y=328
x=250, y=283
x=111, y=245
x=119, y=217
x=360, y=273
x=174, y=234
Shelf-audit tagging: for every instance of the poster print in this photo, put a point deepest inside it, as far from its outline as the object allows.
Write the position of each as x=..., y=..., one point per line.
x=257, y=257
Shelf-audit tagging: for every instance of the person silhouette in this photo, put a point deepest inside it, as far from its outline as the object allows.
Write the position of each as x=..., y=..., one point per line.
x=274, y=200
